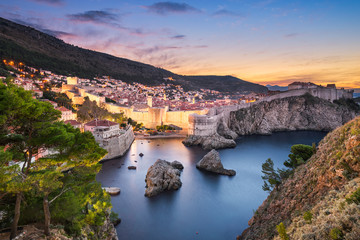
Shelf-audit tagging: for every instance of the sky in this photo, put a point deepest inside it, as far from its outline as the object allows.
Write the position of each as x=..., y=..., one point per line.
x=261, y=41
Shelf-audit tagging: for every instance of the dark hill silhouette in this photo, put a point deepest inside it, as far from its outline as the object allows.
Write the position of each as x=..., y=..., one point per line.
x=41, y=50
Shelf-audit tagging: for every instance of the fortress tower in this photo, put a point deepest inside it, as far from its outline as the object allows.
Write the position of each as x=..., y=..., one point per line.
x=149, y=101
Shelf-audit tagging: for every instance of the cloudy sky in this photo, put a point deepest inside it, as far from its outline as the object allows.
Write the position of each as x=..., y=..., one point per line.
x=263, y=41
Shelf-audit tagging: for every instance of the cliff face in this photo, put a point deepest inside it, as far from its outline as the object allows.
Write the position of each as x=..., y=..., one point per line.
x=288, y=114
x=321, y=187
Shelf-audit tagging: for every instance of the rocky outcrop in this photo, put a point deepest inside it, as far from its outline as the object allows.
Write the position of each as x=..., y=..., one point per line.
x=211, y=162
x=289, y=114
x=163, y=176
x=324, y=186
x=209, y=142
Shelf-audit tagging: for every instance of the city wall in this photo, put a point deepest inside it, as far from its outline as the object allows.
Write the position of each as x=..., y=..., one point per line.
x=153, y=117
x=118, y=145
x=206, y=125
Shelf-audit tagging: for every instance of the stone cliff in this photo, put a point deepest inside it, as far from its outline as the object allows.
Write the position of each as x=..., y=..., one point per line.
x=289, y=114
x=322, y=198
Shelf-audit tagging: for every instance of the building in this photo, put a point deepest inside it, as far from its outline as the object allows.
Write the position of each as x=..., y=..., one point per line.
x=108, y=134
x=301, y=85
x=66, y=114
x=73, y=123
x=113, y=126
x=330, y=92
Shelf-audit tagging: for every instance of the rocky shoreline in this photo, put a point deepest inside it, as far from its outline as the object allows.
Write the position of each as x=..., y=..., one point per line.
x=286, y=114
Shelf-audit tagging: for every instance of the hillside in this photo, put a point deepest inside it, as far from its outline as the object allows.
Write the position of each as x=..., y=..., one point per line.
x=327, y=186
x=37, y=49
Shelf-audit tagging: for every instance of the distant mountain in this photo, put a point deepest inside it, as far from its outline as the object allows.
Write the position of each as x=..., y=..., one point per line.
x=38, y=49
x=276, y=88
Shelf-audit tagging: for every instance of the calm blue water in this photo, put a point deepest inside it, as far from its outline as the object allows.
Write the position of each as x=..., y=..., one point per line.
x=215, y=207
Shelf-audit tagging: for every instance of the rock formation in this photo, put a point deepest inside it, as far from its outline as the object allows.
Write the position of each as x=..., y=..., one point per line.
x=327, y=186
x=211, y=162
x=289, y=114
x=209, y=142
x=163, y=176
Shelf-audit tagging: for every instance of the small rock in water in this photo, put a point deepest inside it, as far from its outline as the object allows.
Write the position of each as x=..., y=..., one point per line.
x=141, y=154
x=211, y=162
x=112, y=190
x=135, y=161
x=132, y=167
x=162, y=176
x=177, y=165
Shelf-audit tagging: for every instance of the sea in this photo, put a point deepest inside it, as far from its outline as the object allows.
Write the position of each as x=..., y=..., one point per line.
x=207, y=206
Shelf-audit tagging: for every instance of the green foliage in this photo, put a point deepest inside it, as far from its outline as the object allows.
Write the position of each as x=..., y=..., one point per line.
x=354, y=197
x=60, y=98
x=164, y=128
x=282, y=231
x=300, y=153
x=308, y=217
x=109, y=100
x=336, y=234
x=90, y=110
x=349, y=103
x=64, y=179
x=271, y=177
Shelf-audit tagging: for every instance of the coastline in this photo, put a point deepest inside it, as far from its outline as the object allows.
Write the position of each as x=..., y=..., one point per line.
x=140, y=136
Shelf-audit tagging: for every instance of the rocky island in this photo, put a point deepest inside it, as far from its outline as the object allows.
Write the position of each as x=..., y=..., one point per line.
x=163, y=176
x=211, y=162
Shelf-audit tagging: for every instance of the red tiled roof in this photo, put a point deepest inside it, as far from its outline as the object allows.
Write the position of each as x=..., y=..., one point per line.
x=62, y=109
x=72, y=122
x=104, y=123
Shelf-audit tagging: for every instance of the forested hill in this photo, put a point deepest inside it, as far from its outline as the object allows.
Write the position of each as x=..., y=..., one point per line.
x=38, y=49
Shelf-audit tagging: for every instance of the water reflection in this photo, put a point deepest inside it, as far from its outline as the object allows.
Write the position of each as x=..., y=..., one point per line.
x=217, y=207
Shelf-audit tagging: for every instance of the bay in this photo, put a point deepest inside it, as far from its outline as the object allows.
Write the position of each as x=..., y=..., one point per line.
x=207, y=206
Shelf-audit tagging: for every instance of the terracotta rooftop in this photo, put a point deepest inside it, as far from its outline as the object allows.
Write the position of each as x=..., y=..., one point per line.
x=62, y=109
x=97, y=123
x=72, y=122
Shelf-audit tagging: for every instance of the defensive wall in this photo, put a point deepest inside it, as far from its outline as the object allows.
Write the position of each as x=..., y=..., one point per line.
x=117, y=145
x=153, y=117
x=206, y=125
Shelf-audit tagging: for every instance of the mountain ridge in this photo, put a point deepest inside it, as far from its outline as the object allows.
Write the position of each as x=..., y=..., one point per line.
x=41, y=50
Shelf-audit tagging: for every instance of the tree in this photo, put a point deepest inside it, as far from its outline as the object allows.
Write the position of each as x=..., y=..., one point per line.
x=300, y=153
x=21, y=123
x=71, y=149
x=27, y=127
x=282, y=231
x=89, y=110
x=271, y=177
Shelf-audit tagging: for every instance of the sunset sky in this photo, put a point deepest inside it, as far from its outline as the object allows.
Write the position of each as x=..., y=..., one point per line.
x=262, y=41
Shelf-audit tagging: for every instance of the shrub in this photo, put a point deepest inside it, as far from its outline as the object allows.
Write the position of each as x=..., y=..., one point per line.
x=336, y=234
x=308, y=217
x=282, y=231
x=354, y=198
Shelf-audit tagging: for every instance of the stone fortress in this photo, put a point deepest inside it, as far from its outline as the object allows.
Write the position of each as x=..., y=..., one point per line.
x=208, y=124
x=203, y=122
x=145, y=113
x=110, y=137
